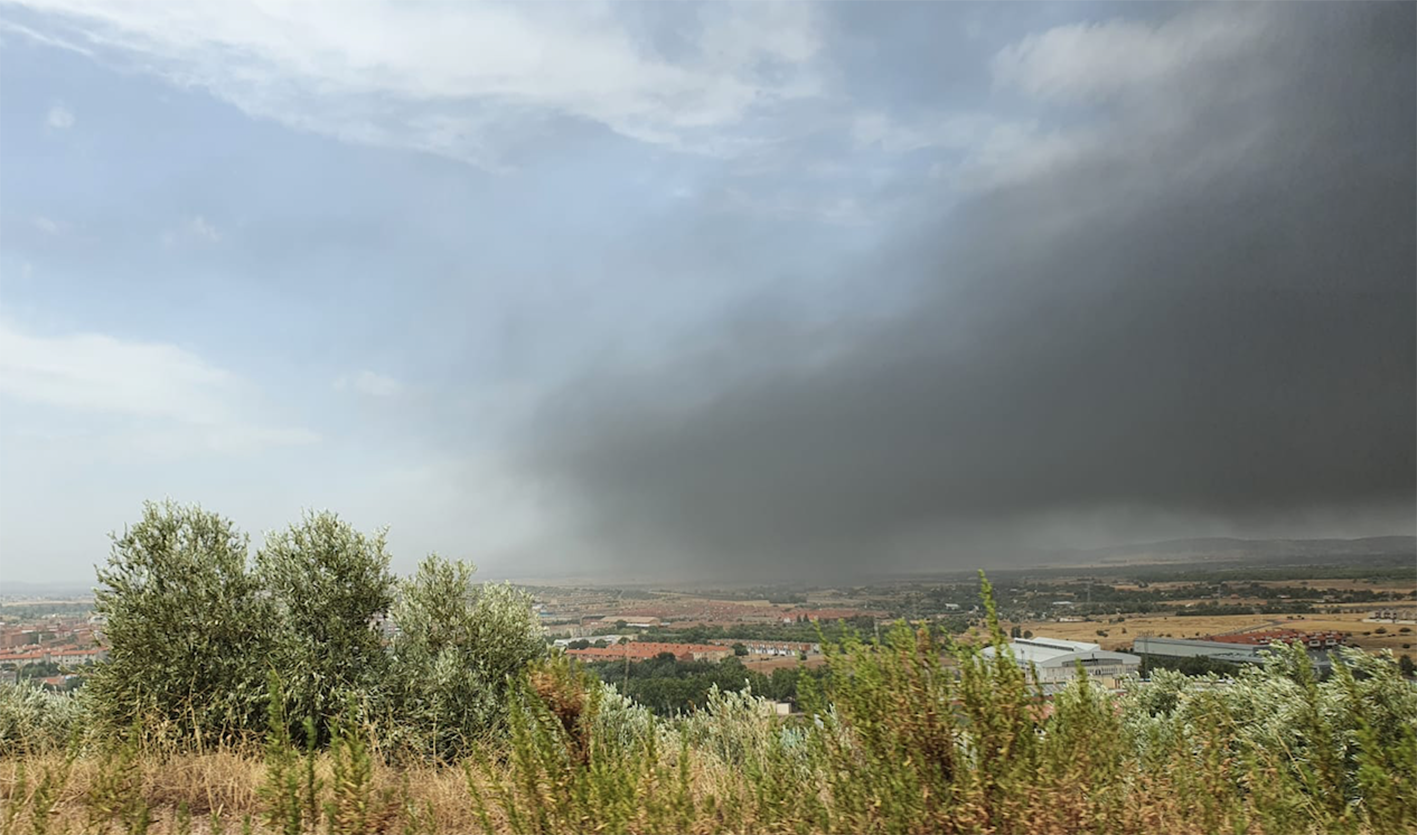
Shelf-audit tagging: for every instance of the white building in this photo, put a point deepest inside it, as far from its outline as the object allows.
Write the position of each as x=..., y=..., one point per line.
x=1056, y=660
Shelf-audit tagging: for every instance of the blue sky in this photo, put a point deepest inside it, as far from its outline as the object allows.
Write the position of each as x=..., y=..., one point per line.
x=273, y=256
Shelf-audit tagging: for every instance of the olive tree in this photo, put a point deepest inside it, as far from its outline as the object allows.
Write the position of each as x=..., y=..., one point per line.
x=35, y=720
x=329, y=584
x=186, y=627
x=457, y=645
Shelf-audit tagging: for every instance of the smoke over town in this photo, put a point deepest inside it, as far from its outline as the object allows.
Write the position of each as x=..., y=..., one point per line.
x=1191, y=311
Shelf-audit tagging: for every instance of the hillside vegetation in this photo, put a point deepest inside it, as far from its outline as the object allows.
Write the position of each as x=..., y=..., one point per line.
x=260, y=696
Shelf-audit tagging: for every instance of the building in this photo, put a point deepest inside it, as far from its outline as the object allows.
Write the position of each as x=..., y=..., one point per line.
x=771, y=648
x=20, y=659
x=1312, y=640
x=1218, y=650
x=1057, y=660
x=608, y=639
x=72, y=657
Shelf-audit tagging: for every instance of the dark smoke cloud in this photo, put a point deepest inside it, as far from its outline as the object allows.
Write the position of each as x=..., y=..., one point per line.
x=1205, y=310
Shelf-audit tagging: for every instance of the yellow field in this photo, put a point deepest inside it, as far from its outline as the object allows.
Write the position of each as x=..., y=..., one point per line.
x=1200, y=627
x=767, y=663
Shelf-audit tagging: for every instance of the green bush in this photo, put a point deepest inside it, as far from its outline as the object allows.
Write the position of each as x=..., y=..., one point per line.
x=187, y=627
x=329, y=583
x=457, y=647
x=898, y=742
x=195, y=627
x=35, y=720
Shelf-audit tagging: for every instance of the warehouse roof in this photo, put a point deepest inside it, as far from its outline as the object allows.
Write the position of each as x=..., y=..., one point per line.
x=1038, y=650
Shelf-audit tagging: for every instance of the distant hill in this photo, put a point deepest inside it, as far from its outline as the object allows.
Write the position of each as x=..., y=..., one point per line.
x=17, y=588
x=1230, y=548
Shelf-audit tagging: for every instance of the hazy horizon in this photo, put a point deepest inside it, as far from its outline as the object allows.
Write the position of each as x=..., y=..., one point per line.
x=686, y=290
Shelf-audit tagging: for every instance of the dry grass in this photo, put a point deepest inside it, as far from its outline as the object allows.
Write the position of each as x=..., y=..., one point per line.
x=225, y=785
x=767, y=663
x=1176, y=626
x=886, y=758
x=436, y=799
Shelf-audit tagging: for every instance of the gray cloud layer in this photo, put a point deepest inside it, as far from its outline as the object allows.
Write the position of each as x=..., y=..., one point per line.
x=1200, y=306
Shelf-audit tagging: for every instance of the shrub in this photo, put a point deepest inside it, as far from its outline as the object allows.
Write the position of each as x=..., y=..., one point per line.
x=186, y=627
x=35, y=720
x=890, y=740
x=329, y=584
x=457, y=647
x=898, y=742
x=194, y=630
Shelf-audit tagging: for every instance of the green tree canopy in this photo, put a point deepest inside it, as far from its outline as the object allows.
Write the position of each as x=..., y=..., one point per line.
x=186, y=625
x=329, y=584
x=456, y=647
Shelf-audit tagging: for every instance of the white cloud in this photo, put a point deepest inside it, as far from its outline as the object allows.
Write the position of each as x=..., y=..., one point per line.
x=1142, y=81
x=1096, y=61
x=1018, y=152
x=950, y=131
x=199, y=228
x=47, y=226
x=981, y=151
x=460, y=79
x=59, y=117
x=196, y=228
x=371, y=384
x=40, y=37
x=161, y=387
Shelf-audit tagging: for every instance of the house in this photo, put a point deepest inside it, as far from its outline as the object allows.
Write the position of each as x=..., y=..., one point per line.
x=71, y=657
x=21, y=658
x=772, y=648
x=1312, y=640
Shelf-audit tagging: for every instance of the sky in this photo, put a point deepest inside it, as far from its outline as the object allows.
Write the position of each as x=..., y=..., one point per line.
x=707, y=291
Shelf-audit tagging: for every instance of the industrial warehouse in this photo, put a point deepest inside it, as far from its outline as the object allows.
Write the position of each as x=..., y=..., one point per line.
x=1056, y=661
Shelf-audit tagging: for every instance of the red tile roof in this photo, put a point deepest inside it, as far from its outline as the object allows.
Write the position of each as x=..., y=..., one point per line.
x=1286, y=636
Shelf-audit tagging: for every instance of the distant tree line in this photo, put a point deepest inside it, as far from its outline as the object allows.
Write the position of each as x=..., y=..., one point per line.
x=799, y=631
x=1197, y=665
x=669, y=686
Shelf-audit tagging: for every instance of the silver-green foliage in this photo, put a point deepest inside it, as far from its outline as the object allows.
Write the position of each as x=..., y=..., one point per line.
x=329, y=583
x=32, y=719
x=898, y=742
x=1333, y=752
x=185, y=625
x=194, y=628
x=456, y=646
